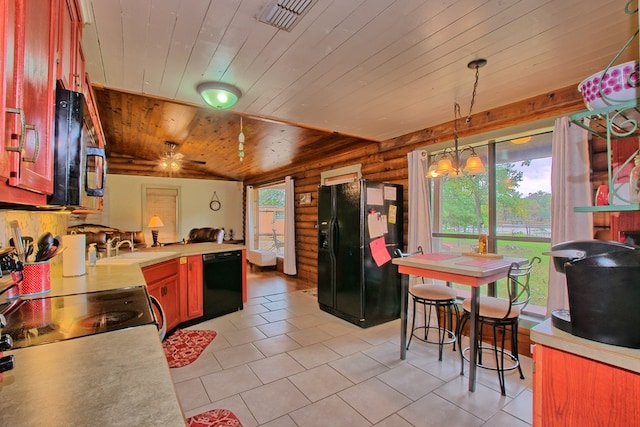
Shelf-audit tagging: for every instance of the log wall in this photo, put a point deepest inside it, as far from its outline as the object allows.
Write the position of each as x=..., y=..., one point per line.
x=387, y=161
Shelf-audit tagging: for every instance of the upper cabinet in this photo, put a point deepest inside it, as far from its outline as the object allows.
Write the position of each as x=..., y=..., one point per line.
x=70, y=59
x=41, y=49
x=28, y=71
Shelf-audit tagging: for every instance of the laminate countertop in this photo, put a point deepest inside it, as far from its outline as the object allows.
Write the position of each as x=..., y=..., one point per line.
x=548, y=335
x=118, y=378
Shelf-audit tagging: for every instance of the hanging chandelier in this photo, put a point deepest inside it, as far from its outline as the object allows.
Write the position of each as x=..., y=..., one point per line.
x=241, y=142
x=450, y=163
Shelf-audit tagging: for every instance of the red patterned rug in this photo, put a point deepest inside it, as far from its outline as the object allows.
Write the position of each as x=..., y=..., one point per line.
x=214, y=418
x=184, y=346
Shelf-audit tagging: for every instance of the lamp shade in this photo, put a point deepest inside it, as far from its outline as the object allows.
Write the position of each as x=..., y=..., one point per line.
x=444, y=166
x=219, y=95
x=433, y=171
x=155, y=222
x=474, y=165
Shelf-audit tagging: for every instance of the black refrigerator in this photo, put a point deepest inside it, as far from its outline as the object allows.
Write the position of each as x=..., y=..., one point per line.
x=360, y=224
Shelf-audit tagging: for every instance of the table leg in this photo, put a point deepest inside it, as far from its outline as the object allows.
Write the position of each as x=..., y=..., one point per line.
x=473, y=333
x=404, y=295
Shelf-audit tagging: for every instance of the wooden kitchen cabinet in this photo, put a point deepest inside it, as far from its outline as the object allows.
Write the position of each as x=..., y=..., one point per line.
x=194, y=287
x=70, y=60
x=191, y=287
x=163, y=282
x=575, y=386
x=28, y=72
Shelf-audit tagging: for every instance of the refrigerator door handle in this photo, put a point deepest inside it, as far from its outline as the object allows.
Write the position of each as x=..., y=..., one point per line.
x=333, y=237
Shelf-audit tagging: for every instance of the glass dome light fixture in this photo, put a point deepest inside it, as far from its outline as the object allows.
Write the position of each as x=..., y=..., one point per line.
x=219, y=95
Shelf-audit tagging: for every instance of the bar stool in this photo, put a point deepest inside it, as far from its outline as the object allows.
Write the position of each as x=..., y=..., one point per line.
x=500, y=313
x=438, y=297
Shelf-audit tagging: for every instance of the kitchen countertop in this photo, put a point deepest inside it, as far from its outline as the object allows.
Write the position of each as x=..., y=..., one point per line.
x=548, y=335
x=116, y=378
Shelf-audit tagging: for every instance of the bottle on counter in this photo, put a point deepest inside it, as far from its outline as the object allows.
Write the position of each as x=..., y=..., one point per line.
x=92, y=254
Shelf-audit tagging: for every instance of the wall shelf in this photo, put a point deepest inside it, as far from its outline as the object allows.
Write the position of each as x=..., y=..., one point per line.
x=612, y=123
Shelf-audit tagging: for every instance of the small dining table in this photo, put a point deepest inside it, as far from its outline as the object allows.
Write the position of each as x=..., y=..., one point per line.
x=472, y=270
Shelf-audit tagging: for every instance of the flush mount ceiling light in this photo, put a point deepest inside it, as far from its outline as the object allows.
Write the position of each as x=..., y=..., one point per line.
x=450, y=160
x=522, y=140
x=219, y=95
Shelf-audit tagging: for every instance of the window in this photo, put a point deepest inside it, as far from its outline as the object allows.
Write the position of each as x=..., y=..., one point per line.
x=270, y=221
x=513, y=208
x=164, y=202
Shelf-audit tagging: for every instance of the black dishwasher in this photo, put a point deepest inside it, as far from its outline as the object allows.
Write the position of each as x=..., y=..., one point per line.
x=222, y=283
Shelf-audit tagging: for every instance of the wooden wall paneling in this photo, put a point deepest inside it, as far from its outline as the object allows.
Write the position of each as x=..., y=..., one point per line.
x=387, y=161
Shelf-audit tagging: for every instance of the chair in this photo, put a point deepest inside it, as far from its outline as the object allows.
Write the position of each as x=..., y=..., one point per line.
x=433, y=296
x=500, y=313
x=277, y=244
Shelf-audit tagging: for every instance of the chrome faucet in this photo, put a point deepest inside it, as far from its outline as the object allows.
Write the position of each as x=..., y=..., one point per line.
x=110, y=248
x=122, y=242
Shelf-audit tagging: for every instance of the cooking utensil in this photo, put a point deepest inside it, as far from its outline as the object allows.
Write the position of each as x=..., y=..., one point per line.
x=45, y=242
x=53, y=251
x=17, y=239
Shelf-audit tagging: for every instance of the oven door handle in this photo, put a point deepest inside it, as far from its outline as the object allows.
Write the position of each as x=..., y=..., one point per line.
x=162, y=326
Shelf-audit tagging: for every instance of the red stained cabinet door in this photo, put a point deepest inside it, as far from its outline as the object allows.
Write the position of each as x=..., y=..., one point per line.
x=28, y=68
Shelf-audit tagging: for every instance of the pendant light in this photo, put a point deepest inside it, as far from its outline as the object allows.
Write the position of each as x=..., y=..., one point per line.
x=450, y=164
x=241, y=142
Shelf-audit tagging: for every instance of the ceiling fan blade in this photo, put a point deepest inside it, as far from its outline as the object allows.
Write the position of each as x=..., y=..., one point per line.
x=197, y=162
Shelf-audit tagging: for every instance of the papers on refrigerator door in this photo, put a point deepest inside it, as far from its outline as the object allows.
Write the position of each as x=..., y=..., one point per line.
x=375, y=196
x=379, y=251
x=377, y=224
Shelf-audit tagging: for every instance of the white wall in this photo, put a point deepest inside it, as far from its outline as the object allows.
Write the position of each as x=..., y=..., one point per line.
x=123, y=204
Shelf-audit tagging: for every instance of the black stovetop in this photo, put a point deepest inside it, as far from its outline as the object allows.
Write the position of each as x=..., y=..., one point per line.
x=44, y=320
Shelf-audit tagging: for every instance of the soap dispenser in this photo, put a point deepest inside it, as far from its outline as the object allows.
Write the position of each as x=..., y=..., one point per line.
x=92, y=254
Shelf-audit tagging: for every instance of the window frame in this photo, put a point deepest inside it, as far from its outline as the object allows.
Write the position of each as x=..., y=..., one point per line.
x=436, y=186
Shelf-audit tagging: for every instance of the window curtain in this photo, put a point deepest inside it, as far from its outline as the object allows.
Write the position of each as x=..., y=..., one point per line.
x=289, y=266
x=419, y=233
x=570, y=187
x=250, y=218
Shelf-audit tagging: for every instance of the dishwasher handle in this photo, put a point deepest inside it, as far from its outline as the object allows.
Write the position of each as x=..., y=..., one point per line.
x=220, y=256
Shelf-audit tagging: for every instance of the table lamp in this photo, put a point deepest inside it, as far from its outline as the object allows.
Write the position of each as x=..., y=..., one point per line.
x=154, y=223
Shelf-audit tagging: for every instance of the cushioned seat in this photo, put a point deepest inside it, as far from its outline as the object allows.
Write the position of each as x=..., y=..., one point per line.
x=500, y=314
x=206, y=234
x=443, y=299
x=261, y=258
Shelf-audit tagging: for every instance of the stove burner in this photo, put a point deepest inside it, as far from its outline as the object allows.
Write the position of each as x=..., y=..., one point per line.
x=50, y=319
x=108, y=320
x=111, y=296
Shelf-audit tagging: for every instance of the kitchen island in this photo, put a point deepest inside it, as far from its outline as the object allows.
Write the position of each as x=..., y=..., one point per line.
x=118, y=378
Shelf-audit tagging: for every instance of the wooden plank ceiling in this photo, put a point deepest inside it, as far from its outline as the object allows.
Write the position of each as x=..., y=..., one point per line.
x=350, y=72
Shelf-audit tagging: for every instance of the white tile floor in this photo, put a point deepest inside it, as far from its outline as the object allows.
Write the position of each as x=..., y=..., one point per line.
x=283, y=362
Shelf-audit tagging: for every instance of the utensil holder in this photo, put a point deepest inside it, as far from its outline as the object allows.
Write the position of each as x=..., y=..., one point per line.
x=36, y=278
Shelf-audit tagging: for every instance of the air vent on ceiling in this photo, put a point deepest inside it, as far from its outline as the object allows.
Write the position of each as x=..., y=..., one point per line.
x=285, y=14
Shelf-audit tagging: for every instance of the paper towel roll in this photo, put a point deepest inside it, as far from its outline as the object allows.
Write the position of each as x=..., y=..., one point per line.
x=73, y=256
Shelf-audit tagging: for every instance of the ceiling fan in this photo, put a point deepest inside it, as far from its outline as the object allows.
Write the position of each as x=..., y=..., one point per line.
x=172, y=161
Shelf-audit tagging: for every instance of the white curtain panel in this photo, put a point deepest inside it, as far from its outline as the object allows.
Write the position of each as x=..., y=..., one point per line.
x=249, y=219
x=419, y=233
x=289, y=266
x=570, y=187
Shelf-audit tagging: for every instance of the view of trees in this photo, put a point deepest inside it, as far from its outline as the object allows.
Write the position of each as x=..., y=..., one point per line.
x=517, y=213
